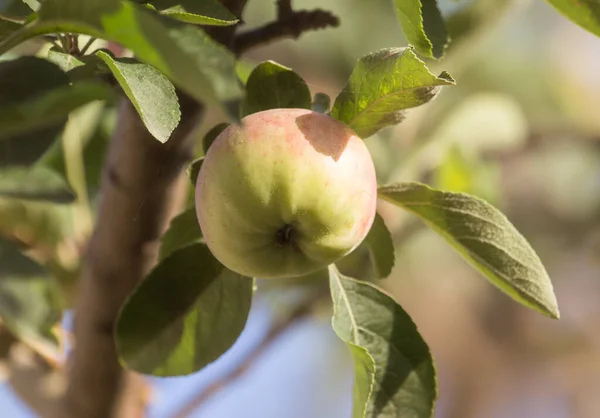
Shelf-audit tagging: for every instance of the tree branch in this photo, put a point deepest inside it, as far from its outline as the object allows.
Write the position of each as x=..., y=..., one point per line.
x=139, y=185
x=288, y=24
x=299, y=313
x=141, y=178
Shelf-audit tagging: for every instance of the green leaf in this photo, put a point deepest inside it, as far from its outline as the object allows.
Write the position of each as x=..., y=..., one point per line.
x=394, y=370
x=44, y=223
x=65, y=62
x=182, y=52
x=7, y=28
x=199, y=12
x=28, y=298
x=273, y=86
x=150, y=92
x=381, y=248
x=585, y=13
x=48, y=107
x=93, y=141
x=485, y=238
x=211, y=135
x=381, y=86
x=423, y=26
x=184, y=315
x=14, y=10
x=184, y=230
x=34, y=183
x=194, y=169
x=24, y=80
x=78, y=68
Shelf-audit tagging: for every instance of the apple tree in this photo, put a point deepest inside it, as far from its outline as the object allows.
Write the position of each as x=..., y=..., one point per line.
x=112, y=206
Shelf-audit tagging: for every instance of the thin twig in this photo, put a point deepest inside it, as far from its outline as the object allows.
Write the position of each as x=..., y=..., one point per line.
x=296, y=315
x=87, y=45
x=290, y=25
x=63, y=43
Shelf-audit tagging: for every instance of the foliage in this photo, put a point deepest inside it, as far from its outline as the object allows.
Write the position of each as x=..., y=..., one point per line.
x=190, y=309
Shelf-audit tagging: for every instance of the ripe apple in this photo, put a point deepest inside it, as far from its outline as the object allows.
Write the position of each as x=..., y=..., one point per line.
x=286, y=193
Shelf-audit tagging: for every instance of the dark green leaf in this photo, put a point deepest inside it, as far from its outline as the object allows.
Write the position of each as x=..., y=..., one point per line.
x=194, y=169
x=182, y=52
x=273, y=86
x=7, y=28
x=49, y=108
x=21, y=80
x=28, y=298
x=34, y=183
x=15, y=10
x=484, y=237
x=211, y=135
x=381, y=248
x=585, y=13
x=394, y=370
x=200, y=12
x=184, y=315
x=151, y=93
x=26, y=149
x=184, y=230
x=381, y=86
x=423, y=26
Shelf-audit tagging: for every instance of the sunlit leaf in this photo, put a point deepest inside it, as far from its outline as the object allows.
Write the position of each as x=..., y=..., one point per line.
x=484, y=237
x=273, y=86
x=382, y=85
x=585, y=13
x=423, y=26
x=65, y=62
x=184, y=315
x=150, y=92
x=200, y=12
x=394, y=370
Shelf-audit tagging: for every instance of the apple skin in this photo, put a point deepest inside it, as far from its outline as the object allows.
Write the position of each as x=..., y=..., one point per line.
x=286, y=193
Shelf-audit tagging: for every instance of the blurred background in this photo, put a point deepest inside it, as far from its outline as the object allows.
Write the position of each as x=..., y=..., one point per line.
x=521, y=129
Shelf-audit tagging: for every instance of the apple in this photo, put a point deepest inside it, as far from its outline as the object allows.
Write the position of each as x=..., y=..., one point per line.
x=285, y=193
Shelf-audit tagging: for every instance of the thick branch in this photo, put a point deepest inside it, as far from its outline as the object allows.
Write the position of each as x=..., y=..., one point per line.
x=141, y=178
x=289, y=24
x=140, y=181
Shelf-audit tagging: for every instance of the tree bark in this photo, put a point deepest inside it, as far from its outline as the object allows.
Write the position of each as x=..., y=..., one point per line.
x=140, y=183
x=139, y=188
